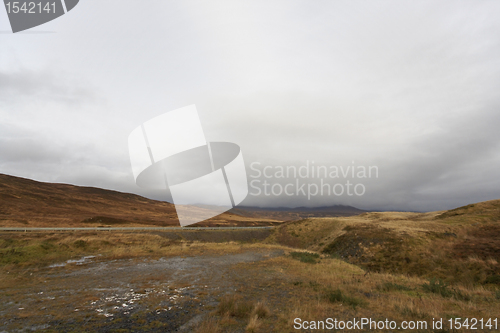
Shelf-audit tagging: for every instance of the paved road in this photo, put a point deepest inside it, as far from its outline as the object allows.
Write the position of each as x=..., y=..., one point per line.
x=135, y=229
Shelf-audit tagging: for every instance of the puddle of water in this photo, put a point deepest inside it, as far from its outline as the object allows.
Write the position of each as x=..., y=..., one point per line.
x=81, y=261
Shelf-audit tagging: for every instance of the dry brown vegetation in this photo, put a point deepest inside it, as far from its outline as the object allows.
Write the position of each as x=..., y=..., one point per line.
x=272, y=293
x=400, y=266
x=459, y=246
x=27, y=203
x=333, y=288
x=19, y=250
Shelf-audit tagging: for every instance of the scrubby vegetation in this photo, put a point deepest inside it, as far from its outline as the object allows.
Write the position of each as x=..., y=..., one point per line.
x=39, y=249
x=458, y=246
x=234, y=310
x=400, y=266
x=440, y=287
x=307, y=257
x=338, y=296
x=234, y=306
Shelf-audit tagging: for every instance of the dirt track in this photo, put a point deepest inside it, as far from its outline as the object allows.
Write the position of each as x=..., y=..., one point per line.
x=161, y=295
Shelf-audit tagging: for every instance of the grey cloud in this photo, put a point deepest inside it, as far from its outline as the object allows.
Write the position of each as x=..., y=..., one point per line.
x=49, y=85
x=411, y=87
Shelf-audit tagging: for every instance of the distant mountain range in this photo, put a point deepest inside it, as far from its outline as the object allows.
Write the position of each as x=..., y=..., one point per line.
x=286, y=214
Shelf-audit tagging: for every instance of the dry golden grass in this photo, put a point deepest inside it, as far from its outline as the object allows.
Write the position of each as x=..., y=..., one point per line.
x=210, y=325
x=33, y=249
x=396, y=254
x=232, y=311
x=21, y=251
x=459, y=246
x=374, y=295
x=405, y=300
x=407, y=223
x=253, y=324
x=260, y=310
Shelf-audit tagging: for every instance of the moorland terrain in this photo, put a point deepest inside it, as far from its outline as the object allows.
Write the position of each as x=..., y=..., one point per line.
x=394, y=265
x=27, y=203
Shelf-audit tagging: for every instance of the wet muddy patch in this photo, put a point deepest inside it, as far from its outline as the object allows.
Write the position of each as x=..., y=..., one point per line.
x=126, y=294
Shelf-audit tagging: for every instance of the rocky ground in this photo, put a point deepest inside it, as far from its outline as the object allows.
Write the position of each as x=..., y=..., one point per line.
x=141, y=294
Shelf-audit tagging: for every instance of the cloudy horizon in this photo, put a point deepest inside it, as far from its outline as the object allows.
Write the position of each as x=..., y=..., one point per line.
x=408, y=87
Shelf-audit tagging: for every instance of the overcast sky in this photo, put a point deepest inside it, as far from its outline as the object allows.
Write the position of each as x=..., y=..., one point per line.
x=410, y=87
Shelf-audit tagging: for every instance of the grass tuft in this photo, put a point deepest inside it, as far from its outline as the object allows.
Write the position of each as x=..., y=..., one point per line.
x=337, y=296
x=494, y=279
x=389, y=286
x=208, y=326
x=80, y=244
x=260, y=310
x=253, y=324
x=307, y=257
x=440, y=287
x=411, y=311
x=233, y=306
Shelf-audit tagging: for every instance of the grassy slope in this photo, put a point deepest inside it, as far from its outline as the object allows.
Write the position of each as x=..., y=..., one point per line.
x=458, y=246
x=28, y=203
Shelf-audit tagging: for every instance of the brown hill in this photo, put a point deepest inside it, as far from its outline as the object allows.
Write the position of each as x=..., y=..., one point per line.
x=458, y=246
x=29, y=203
x=487, y=211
